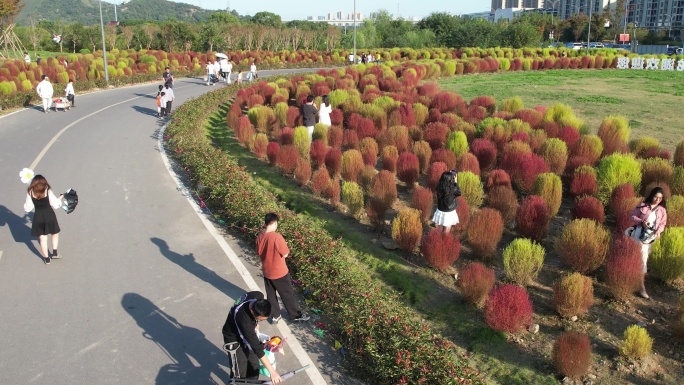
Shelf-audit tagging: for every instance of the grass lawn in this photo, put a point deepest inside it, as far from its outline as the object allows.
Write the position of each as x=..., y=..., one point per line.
x=651, y=100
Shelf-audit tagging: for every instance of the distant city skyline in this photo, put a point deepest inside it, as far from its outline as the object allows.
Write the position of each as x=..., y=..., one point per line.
x=299, y=9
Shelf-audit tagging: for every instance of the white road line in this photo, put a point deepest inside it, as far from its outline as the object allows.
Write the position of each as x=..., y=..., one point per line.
x=0, y=254
x=294, y=345
x=57, y=135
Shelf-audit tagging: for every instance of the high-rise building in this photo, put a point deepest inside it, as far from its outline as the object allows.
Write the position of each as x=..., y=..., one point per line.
x=502, y=4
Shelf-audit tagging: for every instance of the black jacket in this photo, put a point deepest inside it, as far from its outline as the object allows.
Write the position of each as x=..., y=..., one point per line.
x=247, y=323
x=448, y=202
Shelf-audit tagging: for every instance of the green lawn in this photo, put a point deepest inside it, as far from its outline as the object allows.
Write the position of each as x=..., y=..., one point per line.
x=651, y=100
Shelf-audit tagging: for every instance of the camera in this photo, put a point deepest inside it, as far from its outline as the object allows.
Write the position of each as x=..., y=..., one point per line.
x=454, y=172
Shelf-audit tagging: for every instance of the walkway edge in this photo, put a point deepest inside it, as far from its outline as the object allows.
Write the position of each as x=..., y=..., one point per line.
x=294, y=345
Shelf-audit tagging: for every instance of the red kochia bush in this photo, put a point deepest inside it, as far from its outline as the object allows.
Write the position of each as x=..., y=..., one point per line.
x=286, y=136
x=384, y=187
x=390, y=156
x=302, y=171
x=444, y=155
x=317, y=152
x=532, y=218
x=484, y=232
x=468, y=162
x=332, y=192
x=505, y=200
x=436, y=134
x=350, y=139
x=440, y=250
x=245, y=130
x=422, y=200
x=486, y=152
x=583, y=183
x=526, y=172
x=624, y=267
x=572, y=354
x=335, y=136
x=293, y=118
x=434, y=173
x=320, y=181
x=475, y=281
x=287, y=158
x=408, y=168
x=498, y=178
x=622, y=201
x=336, y=117
x=463, y=212
x=272, y=150
x=508, y=309
x=588, y=207
x=333, y=161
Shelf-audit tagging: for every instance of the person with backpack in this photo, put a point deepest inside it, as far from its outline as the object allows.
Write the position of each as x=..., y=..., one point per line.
x=241, y=340
x=41, y=200
x=159, y=96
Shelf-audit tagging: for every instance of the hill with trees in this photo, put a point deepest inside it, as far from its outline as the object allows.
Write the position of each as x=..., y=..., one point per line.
x=88, y=12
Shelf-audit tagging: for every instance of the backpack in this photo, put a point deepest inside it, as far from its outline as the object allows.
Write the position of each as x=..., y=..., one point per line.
x=70, y=201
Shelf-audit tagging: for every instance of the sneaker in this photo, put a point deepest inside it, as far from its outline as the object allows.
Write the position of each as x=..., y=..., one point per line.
x=644, y=295
x=274, y=321
x=302, y=318
x=47, y=260
x=56, y=256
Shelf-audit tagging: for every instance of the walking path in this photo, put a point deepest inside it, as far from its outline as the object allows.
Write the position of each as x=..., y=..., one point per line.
x=145, y=283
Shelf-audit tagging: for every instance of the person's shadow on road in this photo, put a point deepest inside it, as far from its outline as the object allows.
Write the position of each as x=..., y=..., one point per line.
x=145, y=110
x=196, y=359
x=189, y=263
x=19, y=228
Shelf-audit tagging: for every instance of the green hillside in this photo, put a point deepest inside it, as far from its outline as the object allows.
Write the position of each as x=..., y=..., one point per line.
x=88, y=11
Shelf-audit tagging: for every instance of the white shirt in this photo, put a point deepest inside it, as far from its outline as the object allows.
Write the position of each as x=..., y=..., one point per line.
x=169, y=94
x=351, y=57
x=210, y=69
x=54, y=201
x=27, y=59
x=69, y=90
x=229, y=67
x=217, y=67
x=324, y=114
x=224, y=65
x=44, y=89
x=252, y=68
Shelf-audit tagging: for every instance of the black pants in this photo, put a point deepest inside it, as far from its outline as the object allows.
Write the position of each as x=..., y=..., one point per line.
x=72, y=99
x=247, y=363
x=168, y=108
x=282, y=286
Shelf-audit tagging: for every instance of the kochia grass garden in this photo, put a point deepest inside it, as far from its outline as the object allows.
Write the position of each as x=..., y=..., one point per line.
x=350, y=186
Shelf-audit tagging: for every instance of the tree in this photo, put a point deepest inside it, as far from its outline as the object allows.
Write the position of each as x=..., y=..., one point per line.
x=268, y=19
x=127, y=32
x=332, y=37
x=522, y=34
x=210, y=33
x=91, y=34
x=441, y=24
x=151, y=31
x=9, y=9
x=223, y=18
x=110, y=36
x=74, y=33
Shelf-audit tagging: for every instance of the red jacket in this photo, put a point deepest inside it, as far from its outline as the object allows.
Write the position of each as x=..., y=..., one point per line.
x=640, y=214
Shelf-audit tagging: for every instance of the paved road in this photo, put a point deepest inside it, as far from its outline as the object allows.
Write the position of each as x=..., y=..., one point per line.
x=144, y=287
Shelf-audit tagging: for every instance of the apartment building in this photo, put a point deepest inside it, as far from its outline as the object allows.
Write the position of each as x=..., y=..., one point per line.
x=654, y=15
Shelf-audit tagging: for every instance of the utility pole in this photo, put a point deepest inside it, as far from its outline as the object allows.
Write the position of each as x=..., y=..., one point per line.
x=104, y=46
x=589, y=33
x=354, y=19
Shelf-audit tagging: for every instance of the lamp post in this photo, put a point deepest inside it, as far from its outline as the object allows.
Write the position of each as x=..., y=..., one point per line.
x=589, y=32
x=669, y=32
x=104, y=47
x=553, y=10
x=354, y=20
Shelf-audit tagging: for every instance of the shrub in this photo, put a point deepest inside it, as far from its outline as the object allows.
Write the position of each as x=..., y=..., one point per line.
x=522, y=260
x=572, y=354
x=287, y=158
x=471, y=188
x=272, y=150
x=366, y=178
x=655, y=170
x=555, y=154
x=677, y=181
x=369, y=151
x=615, y=170
x=588, y=146
x=532, y=218
x=486, y=152
x=468, y=162
x=678, y=159
x=583, y=245
x=570, y=135
x=352, y=196
x=435, y=134
x=423, y=151
x=463, y=212
x=398, y=137
x=422, y=200
x=484, y=232
x=444, y=155
x=320, y=133
x=335, y=136
x=440, y=250
x=407, y=229
x=667, y=257
x=302, y=171
x=384, y=188
x=583, y=181
x=320, y=181
x=245, y=130
x=675, y=211
x=505, y=201
x=525, y=172
x=508, y=309
x=457, y=143
x=408, y=168
x=318, y=152
x=636, y=343
x=286, y=136
x=642, y=146
x=333, y=161
x=390, y=156
x=624, y=268
x=614, y=133
x=259, y=145
x=350, y=139
x=573, y=295
x=332, y=192
x=548, y=186
x=512, y=105
x=475, y=281
x=589, y=207
x=498, y=178
x=435, y=173
x=352, y=164
x=301, y=141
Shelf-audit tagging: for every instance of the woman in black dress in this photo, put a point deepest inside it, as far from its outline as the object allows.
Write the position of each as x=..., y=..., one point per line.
x=39, y=197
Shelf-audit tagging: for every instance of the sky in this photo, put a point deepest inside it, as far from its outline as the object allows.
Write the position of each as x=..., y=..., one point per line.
x=300, y=9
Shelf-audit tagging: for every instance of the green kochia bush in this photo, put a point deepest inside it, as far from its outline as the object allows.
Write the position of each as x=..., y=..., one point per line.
x=352, y=196
x=523, y=259
x=615, y=170
x=667, y=256
x=372, y=324
x=471, y=188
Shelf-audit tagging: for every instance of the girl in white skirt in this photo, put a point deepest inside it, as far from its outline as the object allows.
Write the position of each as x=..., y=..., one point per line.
x=447, y=192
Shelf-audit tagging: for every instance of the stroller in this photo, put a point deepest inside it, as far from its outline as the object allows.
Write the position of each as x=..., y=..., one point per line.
x=62, y=103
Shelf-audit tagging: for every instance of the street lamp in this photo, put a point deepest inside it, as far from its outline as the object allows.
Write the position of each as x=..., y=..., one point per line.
x=354, y=20
x=669, y=32
x=104, y=47
x=589, y=33
x=553, y=10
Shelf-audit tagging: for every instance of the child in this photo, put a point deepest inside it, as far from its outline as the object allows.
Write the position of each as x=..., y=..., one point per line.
x=239, y=78
x=159, y=96
x=162, y=104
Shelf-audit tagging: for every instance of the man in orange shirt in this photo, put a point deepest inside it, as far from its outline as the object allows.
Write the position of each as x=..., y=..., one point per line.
x=273, y=250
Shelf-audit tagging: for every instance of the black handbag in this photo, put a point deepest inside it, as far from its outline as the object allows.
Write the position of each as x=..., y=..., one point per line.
x=70, y=201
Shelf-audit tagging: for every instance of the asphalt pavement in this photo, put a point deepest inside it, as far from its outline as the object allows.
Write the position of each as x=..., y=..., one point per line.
x=145, y=282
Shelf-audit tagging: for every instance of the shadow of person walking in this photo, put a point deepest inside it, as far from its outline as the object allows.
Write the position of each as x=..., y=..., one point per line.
x=19, y=228
x=190, y=264
x=195, y=359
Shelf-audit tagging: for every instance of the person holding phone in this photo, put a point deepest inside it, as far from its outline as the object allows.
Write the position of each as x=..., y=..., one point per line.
x=447, y=191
